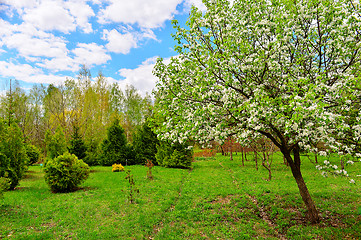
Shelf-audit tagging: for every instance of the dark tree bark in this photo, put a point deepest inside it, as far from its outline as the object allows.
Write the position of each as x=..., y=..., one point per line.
x=242, y=156
x=295, y=165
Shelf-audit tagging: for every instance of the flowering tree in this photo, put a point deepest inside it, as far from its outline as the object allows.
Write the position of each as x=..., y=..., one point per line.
x=287, y=70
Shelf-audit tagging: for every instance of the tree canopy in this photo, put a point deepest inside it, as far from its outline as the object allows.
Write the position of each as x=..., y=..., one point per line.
x=287, y=70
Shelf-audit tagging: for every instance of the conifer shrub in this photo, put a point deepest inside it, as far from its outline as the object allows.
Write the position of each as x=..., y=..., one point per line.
x=65, y=173
x=13, y=157
x=115, y=148
x=145, y=144
x=174, y=155
x=33, y=153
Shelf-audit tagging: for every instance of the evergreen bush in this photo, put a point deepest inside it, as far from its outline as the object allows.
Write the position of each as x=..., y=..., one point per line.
x=174, y=155
x=33, y=153
x=65, y=173
x=13, y=157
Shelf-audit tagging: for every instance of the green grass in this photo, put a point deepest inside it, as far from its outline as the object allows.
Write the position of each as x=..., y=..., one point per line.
x=217, y=199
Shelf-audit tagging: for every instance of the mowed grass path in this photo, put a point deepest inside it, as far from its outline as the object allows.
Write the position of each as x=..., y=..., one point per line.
x=217, y=199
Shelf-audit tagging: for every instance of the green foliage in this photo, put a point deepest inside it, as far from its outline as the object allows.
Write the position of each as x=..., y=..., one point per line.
x=145, y=144
x=77, y=145
x=174, y=155
x=65, y=173
x=13, y=157
x=4, y=185
x=55, y=143
x=92, y=153
x=115, y=148
x=33, y=153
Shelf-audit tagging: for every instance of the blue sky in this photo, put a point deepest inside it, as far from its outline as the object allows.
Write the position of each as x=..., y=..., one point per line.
x=46, y=41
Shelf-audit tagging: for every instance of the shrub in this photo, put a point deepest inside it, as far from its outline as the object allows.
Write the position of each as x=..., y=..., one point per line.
x=4, y=185
x=117, y=168
x=33, y=153
x=65, y=173
x=174, y=155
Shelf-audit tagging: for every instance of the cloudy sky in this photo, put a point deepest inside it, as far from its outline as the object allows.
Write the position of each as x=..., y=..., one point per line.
x=45, y=41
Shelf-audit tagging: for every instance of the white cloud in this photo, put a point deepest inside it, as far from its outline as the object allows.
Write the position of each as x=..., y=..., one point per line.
x=90, y=54
x=28, y=45
x=63, y=63
x=20, y=4
x=145, y=13
x=81, y=12
x=50, y=15
x=27, y=73
x=141, y=77
x=125, y=41
x=197, y=3
x=119, y=43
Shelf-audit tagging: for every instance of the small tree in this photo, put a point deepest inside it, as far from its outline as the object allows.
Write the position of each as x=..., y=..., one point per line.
x=149, y=165
x=133, y=190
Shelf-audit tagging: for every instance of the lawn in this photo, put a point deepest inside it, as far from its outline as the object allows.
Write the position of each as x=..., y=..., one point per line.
x=216, y=199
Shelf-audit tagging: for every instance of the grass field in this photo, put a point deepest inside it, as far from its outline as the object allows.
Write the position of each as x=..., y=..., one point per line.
x=216, y=199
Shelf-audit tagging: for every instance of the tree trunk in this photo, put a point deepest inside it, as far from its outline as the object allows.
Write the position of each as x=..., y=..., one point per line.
x=267, y=165
x=255, y=159
x=231, y=153
x=295, y=165
x=242, y=156
x=342, y=164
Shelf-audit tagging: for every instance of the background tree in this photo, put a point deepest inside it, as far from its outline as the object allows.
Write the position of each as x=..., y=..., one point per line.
x=115, y=148
x=77, y=145
x=145, y=144
x=55, y=143
x=281, y=69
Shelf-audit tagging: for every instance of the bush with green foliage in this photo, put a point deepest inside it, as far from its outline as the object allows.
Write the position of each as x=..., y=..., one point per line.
x=33, y=153
x=13, y=157
x=145, y=144
x=65, y=173
x=115, y=149
x=174, y=155
x=4, y=185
